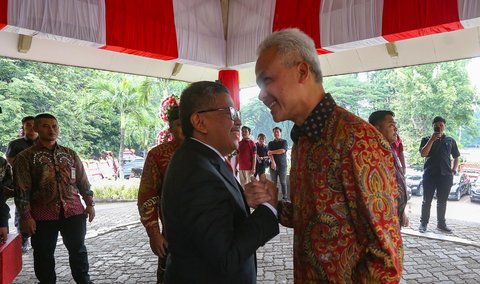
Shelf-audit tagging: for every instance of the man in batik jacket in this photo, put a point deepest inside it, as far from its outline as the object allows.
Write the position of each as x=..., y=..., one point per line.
x=343, y=188
x=150, y=189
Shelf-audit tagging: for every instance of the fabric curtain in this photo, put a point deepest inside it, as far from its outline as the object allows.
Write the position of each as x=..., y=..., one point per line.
x=3, y=13
x=346, y=24
x=145, y=28
x=469, y=13
x=412, y=18
x=199, y=31
x=82, y=20
x=249, y=22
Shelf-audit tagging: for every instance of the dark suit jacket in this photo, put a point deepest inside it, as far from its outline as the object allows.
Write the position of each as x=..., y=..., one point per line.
x=212, y=237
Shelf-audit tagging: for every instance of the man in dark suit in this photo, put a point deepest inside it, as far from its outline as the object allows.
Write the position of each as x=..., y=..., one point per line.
x=211, y=234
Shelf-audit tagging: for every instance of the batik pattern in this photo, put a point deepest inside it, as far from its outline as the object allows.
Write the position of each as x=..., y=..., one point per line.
x=149, y=192
x=343, y=205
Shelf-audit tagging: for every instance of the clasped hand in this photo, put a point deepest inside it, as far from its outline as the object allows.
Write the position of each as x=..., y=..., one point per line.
x=261, y=191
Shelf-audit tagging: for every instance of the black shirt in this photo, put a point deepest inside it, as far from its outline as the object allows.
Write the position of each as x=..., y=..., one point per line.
x=18, y=145
x=438, y=160
x=280, y=159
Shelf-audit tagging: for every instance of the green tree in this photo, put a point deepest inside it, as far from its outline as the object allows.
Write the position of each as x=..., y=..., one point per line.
x=121, y=93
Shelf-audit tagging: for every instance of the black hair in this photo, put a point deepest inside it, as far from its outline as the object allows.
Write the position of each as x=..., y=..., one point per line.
x=261, y=135
x=27, y=118
x=439, y=119
x=44, y=115
x=247, y=128
x=196, y=97
x=276, y=127
x=378, y=116
x=173, y=114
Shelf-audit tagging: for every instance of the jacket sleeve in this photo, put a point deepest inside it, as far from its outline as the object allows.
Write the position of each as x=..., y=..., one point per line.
x=83, y=184
x=371, y=182
x=148, y=198
x=225, y=243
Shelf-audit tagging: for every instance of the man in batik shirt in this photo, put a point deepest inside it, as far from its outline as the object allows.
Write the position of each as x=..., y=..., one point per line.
x=343, y=188
x=49, y=180
x=384, y=121
x=149, y=192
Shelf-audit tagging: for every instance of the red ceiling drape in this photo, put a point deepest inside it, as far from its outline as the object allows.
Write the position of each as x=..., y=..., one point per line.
x=412, y=18
x=145, y=28
x=3, y=13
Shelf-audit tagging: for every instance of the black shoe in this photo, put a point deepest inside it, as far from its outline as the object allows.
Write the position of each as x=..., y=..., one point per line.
x=422, y=228
x=444, y=228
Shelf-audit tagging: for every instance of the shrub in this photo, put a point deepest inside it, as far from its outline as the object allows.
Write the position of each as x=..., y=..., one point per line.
x=116, y=189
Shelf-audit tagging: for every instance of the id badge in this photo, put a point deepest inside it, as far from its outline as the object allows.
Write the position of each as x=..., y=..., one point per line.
x=73, y=173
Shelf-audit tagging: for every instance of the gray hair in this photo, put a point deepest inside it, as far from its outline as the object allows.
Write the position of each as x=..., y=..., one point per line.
x=293, y=44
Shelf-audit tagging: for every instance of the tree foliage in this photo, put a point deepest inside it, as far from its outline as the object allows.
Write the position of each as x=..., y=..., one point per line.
x=97, y=110
x=87, y=103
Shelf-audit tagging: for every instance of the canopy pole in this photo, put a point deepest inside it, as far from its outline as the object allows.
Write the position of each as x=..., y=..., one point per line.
x=229, y=78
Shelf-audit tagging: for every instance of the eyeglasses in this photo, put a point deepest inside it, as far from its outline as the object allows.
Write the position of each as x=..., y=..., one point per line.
x=234, y=113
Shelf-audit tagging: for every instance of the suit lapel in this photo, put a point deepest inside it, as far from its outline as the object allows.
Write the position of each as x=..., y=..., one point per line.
x=232, y=185
x=225, y=173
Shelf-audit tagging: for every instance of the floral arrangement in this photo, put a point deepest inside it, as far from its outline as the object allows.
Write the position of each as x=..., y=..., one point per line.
x=163, y=136
x=166, y=106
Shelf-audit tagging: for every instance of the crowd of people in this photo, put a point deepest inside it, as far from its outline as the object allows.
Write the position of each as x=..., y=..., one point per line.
x=208, y=215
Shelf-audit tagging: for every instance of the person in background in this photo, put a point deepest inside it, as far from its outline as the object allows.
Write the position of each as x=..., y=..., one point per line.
x=397, y=147
x=150, y=189
x=49, y=180
x=384, y=121
x=13, y=149
x=247, y=153
x=277, y=152
x=438, y=172
x=342, y=178
x=6, y=182
x=211, y=233
x=262, y=155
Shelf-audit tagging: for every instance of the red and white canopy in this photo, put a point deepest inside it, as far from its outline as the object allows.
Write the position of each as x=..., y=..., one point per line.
x=196, y=33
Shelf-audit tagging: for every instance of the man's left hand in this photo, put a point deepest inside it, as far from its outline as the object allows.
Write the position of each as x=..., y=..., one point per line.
x=90, y=210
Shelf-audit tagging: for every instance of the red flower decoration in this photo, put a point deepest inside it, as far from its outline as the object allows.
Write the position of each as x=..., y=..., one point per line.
x=166, y=106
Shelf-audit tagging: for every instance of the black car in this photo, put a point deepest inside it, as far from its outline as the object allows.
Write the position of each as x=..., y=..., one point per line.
x=133, y=168
x=475, y=191
x=461, y=186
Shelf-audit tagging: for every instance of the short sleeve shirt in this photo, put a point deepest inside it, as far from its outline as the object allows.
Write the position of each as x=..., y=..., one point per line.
x=18, y=145
x=246, y=149
x=280, y=159
x=438, y=160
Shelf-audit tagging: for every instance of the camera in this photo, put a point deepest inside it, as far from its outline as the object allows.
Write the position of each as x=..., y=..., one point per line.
x=436, y=129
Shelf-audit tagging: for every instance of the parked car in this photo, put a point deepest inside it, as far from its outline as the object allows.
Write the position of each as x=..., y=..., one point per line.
x=475, y=191
x=415, y=184
x=409, y=192
x=133, y=168
x=461, y=186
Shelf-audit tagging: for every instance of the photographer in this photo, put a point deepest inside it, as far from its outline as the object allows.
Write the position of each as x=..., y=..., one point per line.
x=438, y=172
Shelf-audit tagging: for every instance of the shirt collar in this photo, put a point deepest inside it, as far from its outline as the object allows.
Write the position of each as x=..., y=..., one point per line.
x=215, y=150
x=315, y=122
x=39, y=145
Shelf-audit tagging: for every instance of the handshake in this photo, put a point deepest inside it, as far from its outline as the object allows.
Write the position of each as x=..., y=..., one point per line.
x=261, y=191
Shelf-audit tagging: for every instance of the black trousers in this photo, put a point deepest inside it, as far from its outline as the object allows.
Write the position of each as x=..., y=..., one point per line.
x=44, y=242
x=442, y=184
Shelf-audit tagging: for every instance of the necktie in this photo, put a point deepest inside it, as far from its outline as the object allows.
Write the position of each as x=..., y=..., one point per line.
x=229, y=165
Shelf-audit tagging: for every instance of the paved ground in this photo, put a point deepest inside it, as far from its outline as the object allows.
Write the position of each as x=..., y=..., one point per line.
x=119, y=252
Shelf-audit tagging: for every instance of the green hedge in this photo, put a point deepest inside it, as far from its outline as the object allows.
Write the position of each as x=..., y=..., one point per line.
x=116, y=189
